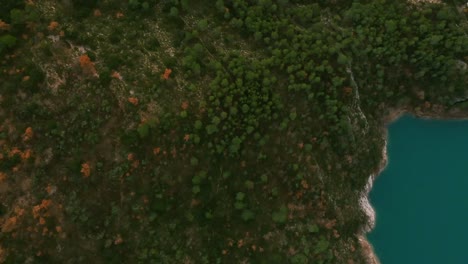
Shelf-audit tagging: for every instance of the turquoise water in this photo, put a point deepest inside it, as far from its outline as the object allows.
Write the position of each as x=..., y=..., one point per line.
x=421, y=199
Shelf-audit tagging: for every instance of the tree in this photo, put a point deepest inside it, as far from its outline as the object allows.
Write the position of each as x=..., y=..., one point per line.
x=87, y=65
x=174, y=12
x=4, y=26
x=6, y=42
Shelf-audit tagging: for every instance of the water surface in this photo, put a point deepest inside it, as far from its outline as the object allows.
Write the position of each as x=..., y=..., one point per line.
x=421, y=199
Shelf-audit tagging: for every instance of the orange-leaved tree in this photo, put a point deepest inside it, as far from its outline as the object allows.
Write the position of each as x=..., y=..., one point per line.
x=28, y=134
x=4, y=26
x=87, y=65
x=85, y=170
x=166, y=74
x=53, y=25
x=133, y=100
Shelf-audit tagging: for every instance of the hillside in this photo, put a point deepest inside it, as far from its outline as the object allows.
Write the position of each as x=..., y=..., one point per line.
x=235, y=131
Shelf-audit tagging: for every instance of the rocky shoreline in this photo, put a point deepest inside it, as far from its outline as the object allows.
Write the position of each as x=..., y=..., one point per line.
x=366, y=207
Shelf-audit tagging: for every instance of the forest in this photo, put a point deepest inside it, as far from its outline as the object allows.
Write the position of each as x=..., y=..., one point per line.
x=227, y=131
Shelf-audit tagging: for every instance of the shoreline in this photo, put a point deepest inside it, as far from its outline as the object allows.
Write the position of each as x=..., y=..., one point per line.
x=366, y=207
x=364, y=203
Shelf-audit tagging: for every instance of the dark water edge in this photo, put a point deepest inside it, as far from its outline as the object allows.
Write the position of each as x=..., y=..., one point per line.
x=421, y=198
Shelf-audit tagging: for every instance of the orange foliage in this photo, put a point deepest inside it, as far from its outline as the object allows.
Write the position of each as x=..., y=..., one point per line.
x=58, y=229
x=85, y=169
x=4, y=26
x=119, y=15
x=46, y=203
x=87, y=65
x=53, y=25
x=330, y=224
x=85, y=60
x=133, y=100
x=26, y=154
x=184, y=105
x=14, y=152
x=166, y=74
x=116, y=75
x=36, y=210
x=240, y=243
x=19, y=211
x=130, y=156
x=3, y=177
x=156, y=151
x=10, y=224
x=186, y=137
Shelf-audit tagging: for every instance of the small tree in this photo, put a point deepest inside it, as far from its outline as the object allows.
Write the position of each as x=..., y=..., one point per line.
x=87, y=65
x=6, y=42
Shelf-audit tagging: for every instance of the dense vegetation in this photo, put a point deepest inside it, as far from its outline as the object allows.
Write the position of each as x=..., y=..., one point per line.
x=233, y=131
